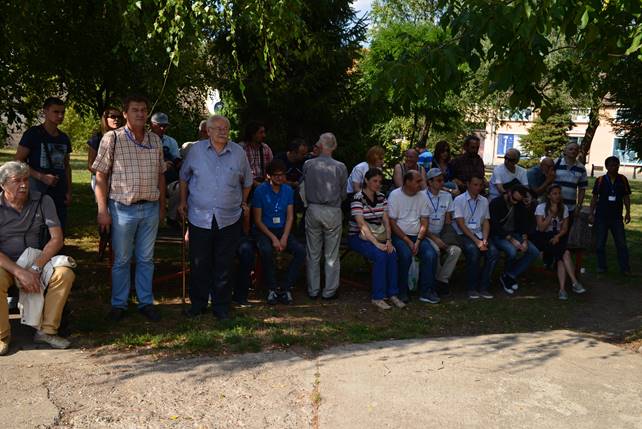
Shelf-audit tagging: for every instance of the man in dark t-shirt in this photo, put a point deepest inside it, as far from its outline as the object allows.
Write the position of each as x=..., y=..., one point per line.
x=46, y=150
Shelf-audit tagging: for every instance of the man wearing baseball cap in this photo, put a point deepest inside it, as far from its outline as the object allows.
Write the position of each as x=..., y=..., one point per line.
x=171, y=153
x=440, y=233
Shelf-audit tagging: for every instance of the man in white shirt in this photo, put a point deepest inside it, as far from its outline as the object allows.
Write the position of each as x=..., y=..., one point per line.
x=408, y=212
x=472, y=225
x=440, y=233
x=507, y=174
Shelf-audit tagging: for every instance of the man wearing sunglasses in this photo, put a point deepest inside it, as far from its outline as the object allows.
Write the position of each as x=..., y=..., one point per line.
x=507, y=175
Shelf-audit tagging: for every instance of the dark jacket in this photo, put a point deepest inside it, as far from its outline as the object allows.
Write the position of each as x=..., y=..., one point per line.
x=499, y=209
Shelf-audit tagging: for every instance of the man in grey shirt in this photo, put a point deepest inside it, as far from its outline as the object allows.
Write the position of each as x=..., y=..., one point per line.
x=324, y=180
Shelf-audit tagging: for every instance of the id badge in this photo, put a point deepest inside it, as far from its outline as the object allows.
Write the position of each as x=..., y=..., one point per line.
x=276, y=220
x=472, y=225
x=435, y=218
x=612, y=198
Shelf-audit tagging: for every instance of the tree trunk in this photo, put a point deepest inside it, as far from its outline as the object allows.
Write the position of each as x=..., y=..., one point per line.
x=425, y=132
x=594, y=122
x=414, y=129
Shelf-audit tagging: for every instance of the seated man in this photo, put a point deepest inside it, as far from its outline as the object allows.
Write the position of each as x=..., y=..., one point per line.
x=507, y=175
x=440, y=233
x=408, y=213
x=22, y=216
x=541, y=176
x=510, y=223
x=273, y=210
x=471, y=217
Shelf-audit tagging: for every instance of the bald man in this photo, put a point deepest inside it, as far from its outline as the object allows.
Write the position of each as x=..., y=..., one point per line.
x=507, y=175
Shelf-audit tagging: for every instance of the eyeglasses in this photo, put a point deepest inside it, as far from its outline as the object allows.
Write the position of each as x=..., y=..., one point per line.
x=113, y=116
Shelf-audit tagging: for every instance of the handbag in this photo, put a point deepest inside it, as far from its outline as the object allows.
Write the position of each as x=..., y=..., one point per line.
x=43, y=229
x=379, y=232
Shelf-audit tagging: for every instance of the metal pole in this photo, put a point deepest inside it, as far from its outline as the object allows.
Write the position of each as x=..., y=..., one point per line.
x=183, y=263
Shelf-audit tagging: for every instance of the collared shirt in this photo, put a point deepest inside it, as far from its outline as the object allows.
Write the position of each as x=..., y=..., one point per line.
x=438, y=206
x=215, y=183
x=407, y=210
x=610, y=196
x=14, y=226
x=466, y=166
x=257, y=164
x=570, y=179
x=503, y=176
x=325, y=180
x=473, y=211
x=273, y=205
x=357, y=175
x=171, y=146
x=134, y=168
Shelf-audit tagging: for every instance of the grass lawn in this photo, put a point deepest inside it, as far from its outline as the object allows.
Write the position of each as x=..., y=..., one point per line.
x=309, y=326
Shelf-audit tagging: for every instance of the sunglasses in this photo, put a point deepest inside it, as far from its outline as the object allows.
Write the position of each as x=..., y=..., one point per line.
x=114, y=116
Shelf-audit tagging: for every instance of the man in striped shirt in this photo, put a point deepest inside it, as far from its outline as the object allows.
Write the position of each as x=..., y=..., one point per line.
x=570, y=174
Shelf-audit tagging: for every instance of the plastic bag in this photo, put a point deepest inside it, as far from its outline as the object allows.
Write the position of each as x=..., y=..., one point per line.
x=413, y=274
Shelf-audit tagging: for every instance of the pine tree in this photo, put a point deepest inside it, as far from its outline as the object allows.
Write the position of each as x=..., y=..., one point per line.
x=547, y=137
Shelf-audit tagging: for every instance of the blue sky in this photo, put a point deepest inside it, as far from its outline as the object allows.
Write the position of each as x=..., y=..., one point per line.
x=362, y=6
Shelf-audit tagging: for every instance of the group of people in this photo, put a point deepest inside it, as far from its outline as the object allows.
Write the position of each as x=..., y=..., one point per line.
x=242, y=200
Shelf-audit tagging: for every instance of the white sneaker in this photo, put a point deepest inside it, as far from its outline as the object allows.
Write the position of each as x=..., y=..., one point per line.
x=53, y=340
x=578, y=288
x=381, y=304
x=397, y=302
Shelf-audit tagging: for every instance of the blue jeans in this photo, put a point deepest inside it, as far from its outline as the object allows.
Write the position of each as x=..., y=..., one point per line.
x=515, y=265
x=478, y=278
x=266, y=251
x=384, y=269
x=616, y=226
x=133, y=231
x=427, y=265
x=245, y=254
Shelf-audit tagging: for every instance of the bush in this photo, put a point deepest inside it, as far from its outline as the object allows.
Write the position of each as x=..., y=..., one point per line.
x=79, y=128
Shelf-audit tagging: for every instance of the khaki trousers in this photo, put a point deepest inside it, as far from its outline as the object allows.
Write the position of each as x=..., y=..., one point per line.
x=55, y=299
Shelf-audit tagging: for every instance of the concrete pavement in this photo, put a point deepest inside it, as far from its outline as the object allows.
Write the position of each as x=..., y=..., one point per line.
x=556, y=379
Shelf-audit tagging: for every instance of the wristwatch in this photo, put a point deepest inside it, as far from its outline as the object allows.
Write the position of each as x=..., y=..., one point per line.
x=36, y=268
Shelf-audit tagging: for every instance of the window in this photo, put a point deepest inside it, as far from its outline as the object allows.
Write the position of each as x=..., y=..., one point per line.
x=522, y=115
x=507, y=141
x=576, y=140
x=580, y=115
x=624, y=154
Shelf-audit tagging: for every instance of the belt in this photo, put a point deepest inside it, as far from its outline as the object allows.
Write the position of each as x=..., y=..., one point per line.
x=141, y=202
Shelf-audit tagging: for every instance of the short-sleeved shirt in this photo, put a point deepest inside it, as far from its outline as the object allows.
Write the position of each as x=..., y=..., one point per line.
x=134, y=168
x=274, y=206
x=503, y=176
x=372, y=211
x=465, y=166
x=438, y=206
x=258, y=163
x=40, y=143
x=570, y=179
x=14, y=226
x=425, y=159
x=473, y=211
x=610, y=196
x=556, y=222
x=408, y=210
x=293, y=170
x=357, y=175
x=215, y=182
x=170, y=145
x=94, y=141
x=324, y=180
x=535, y=177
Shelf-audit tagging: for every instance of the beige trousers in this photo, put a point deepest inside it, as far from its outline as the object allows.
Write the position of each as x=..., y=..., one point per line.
x=55, y=298
x=445, y=269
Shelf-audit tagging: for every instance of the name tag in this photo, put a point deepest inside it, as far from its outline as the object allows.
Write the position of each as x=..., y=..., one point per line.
x=435, y=218
x=276, y=220
x=472, y=225
x=612, y=198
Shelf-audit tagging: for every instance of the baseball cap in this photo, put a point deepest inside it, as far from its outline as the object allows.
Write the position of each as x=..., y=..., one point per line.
x=433, y=172
x=160, y=118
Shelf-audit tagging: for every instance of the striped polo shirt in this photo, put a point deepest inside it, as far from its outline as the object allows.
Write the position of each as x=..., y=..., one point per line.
x=372, y=211
x=570, y=179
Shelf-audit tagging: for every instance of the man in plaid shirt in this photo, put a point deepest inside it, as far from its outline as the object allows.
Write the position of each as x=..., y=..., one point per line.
x=258, y=153
x=130, y=192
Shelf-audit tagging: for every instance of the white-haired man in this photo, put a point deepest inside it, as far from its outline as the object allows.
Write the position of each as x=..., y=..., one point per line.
x=22, y=216
x=324, y=180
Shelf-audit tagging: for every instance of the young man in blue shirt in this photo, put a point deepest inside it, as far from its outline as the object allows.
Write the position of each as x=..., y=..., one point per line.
x=611, y=193
x=273, y=211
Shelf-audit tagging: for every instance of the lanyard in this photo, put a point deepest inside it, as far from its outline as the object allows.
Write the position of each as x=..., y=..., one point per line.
x=472, y=211
x=611, y=185
x=269, y=196
x=435, y=207
x=130, y=136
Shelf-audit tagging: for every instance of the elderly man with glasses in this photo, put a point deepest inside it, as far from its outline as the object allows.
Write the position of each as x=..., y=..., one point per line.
x=215, y=184
x=507, y=175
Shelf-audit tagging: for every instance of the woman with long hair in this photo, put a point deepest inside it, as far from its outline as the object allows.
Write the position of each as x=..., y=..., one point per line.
x=441, y=160
x=111, y=119
x=370, y=235
x=551, y=237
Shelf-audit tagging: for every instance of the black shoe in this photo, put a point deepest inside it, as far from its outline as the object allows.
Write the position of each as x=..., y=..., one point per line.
x=443, y=289
x=404, y=298
x=222, y=315
x=286, y=297
x=149, y=312
x=191, y=313
x=116, y=314
x=313, y=297
x=331, y=297
x=507, y=283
